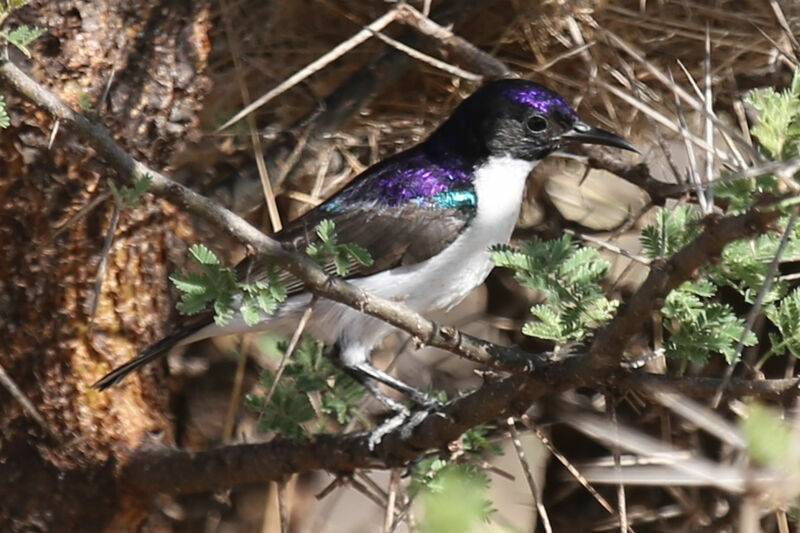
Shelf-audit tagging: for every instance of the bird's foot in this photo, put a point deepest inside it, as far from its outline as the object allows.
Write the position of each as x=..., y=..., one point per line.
x=417, y=418
x=405, y=420
x=388, y=425
x=425, y=401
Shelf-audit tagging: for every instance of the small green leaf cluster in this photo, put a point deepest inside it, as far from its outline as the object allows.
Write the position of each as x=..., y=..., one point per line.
x=455, y=492
x=739, y=193
x=8, y=6
x=329, y=249
x=770, y=439
x=745, y=264
x=131, y=197
x=697, y=324
x=5, y=120
x=569, y=276
x=785, y=315
x=456, y=499
x=778, y=128
x=778, y=135
x=308, y=372
x=21, y=37
x=671, y=231
x=474, y=443
x=216, y=284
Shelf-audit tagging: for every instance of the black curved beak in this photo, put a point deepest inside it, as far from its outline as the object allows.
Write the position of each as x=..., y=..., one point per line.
x=585, y=134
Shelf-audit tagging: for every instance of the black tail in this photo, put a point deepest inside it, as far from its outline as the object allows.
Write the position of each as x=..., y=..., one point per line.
x=150, y=353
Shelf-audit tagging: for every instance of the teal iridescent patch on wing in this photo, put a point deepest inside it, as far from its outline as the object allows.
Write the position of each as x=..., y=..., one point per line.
x=454, y=199
x=334, y=205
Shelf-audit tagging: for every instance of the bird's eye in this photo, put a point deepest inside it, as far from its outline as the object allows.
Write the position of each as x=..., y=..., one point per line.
x=536, y=124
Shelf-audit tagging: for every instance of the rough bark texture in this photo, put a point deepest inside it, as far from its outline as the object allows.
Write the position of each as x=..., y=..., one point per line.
x=151, y=56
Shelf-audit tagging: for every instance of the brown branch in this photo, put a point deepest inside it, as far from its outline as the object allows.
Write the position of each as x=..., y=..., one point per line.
x=638, y=174
x=706, y=387
x=459, y=49
x=180, y=471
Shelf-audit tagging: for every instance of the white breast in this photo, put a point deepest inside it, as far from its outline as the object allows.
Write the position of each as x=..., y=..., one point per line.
x=445, y=279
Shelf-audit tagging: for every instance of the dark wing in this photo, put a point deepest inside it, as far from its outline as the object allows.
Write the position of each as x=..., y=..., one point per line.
x=402, y=210
x=393, y=236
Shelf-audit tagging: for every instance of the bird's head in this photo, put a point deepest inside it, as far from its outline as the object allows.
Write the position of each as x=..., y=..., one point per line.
x=523, y=120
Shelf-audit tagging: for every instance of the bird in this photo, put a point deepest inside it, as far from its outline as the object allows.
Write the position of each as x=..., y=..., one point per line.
x=428, y=217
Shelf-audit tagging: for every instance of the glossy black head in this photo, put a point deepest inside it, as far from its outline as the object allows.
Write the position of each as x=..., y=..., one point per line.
x=520, y=119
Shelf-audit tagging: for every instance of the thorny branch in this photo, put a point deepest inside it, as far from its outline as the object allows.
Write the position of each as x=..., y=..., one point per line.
x=534, y=377
x=180, y=471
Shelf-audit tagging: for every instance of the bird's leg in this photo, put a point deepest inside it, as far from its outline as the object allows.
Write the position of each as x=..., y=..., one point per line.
x=363, y=372
x=390, y=424
x=417, y=396
x=376, y=391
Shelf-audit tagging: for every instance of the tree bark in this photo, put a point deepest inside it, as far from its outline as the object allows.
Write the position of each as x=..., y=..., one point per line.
x=140, y=67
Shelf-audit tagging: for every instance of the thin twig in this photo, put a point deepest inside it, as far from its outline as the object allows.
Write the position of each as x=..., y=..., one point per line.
x=301, y=326
x=622, y=507
x=359, y=487
x=731, y=144
x=568, y=465
x=316, y=65
x=782, y=521
x=236, y=391
x=53, y=134
x=271, y=505
x=610, y=247
x=23, y=400
x=526, y=469
x=101, y=268
x=784, y=25
x=702, y=387
x=694, y=174
x=700, y=470
x=391, y=500
x=701, y=416
x=82, y=212
x=255, y=138
x=425, y=58
x=709, y=128
x=466, y=52
x=377, y=489
x=660, y=118
x=283, y=504
x=680, y=92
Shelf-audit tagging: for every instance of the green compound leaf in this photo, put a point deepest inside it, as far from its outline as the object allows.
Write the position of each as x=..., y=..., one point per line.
x=569, y=277
x=5, y=120
x=203, y=255
x=22, y=36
